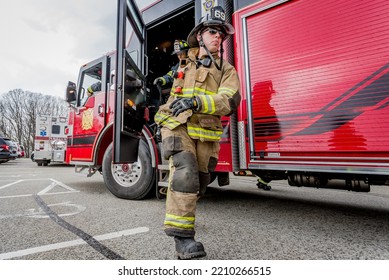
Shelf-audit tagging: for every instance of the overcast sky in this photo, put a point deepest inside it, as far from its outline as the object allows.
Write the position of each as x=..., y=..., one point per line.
x=44, y=42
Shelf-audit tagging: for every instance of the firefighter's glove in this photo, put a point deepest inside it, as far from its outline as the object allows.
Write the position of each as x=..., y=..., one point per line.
x=158, y=81
x=182, y=104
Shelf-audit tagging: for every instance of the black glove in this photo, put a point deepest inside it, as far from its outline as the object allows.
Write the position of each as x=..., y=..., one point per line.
x=182, y=104
x=158, y=81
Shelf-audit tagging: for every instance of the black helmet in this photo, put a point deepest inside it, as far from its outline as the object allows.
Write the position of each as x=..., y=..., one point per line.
x=216, y=18
x=180, y=46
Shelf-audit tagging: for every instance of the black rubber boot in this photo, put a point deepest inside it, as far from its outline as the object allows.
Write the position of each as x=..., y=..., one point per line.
x=263, y=185
x=187, y=248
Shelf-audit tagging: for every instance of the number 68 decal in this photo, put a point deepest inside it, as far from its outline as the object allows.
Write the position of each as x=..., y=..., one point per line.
x=219, y=14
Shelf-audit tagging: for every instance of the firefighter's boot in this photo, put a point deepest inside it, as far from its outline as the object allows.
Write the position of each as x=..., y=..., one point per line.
x=187, y=248
x=263, y=185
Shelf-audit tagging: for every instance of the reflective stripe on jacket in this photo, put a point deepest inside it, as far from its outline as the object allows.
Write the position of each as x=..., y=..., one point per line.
x=168, y=77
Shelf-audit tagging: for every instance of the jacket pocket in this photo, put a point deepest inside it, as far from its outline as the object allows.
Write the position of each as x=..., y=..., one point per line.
x=210, y=122
x=201, y=75
x=205, y=128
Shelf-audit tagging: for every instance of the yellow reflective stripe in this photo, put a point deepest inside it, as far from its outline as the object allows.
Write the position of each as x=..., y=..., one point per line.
x=169, y=223
x=185, y=92
x=227, y=91
x=202, y=91
x=180, y=218
x=204, y=133
x=170, y=73
x=166, y=120
x=207, y=104
x=190, y=92
x=179, y=221
x=262, y=181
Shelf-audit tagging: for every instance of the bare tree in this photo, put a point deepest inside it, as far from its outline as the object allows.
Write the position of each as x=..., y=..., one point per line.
x=19, y=110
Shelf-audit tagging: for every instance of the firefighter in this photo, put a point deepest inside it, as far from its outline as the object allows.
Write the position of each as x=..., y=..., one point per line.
x=205, y=88
x=90, y=91
x=181, y=48
x=94, y=87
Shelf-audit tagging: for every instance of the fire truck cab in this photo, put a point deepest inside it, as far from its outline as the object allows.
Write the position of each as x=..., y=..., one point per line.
x=96, y=128
x=314, y=85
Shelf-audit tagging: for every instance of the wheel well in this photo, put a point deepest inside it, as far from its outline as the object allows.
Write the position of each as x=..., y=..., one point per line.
x=106, y=137
x=103, y=142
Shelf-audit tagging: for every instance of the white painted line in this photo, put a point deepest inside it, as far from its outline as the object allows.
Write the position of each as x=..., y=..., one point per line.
x=48, y=188
x=45, y=191
x=10, y=184
x=40, y=214
x=76, y=242
x=53, y=184
x=25, y=195
x=63, y=185
x=36, y=179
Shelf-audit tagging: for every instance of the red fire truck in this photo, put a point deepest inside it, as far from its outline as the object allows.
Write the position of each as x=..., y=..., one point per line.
x=314, y=85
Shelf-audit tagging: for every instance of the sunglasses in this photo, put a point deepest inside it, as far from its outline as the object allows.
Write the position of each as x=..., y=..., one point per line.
x=215, y=31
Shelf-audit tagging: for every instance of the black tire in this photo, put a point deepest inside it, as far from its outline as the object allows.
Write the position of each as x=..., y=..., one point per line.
x=135, y=183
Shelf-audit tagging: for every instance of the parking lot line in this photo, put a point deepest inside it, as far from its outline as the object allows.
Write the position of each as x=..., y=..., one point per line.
x=10, y=184
x=45, y=191
x=71, y=243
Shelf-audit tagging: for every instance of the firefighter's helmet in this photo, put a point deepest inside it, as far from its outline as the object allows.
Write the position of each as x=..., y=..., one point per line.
x=216, y=18
x=180, y=46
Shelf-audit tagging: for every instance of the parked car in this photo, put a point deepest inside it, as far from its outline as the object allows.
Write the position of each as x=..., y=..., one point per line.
x=4, y=151
x=22, y=153
x=13, y=148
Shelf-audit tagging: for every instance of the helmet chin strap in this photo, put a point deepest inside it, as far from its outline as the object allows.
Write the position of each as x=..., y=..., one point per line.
x=201, y=43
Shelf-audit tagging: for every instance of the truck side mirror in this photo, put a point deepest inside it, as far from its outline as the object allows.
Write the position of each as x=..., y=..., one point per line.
x=71, y=92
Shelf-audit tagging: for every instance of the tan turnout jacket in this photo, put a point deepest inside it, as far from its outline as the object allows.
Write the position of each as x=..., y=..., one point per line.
x=216, y=92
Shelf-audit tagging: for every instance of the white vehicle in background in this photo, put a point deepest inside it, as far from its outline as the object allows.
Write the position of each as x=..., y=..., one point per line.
x=50, y=139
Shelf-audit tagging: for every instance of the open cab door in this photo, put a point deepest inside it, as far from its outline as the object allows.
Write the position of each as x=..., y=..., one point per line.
x=130, y=90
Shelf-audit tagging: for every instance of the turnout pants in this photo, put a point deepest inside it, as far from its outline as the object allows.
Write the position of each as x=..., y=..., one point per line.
x=190, y=162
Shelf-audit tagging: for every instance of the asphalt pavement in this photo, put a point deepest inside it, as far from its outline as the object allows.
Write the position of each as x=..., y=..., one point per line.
x=52, y=213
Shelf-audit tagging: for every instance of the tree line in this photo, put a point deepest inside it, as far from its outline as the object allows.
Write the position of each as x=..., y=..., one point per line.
x=18, y=112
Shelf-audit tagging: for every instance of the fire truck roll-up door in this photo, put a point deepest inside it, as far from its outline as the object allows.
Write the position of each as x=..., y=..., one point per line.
x=317, y=85
x=130, y=92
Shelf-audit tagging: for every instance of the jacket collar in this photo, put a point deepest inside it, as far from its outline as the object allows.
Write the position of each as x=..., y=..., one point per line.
x=193, y=53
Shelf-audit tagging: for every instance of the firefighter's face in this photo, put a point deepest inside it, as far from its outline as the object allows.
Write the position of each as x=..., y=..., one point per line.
x=212, y=38
x=181, y=55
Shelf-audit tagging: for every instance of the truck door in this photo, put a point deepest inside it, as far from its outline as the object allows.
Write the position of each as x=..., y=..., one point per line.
x=130, y=92
x=88, y=118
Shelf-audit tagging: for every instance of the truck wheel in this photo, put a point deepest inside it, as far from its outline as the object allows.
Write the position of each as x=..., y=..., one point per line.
x=129, y=181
